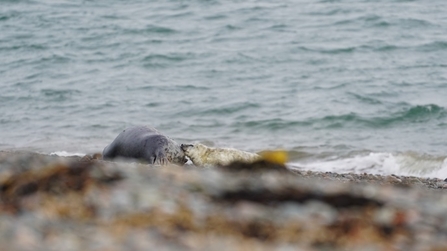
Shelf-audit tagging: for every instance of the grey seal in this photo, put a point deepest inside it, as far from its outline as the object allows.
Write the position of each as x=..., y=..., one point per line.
x=202, y=155
x=146, y=143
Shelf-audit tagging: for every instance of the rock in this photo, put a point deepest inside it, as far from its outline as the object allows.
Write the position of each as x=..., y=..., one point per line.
x=393, y=179
x=51, y=203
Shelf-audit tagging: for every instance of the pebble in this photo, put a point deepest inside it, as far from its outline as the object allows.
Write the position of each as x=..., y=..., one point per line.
x=393, y=179
x=177, y=208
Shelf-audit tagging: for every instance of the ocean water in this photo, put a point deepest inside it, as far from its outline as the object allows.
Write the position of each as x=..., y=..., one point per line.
x=344, y=86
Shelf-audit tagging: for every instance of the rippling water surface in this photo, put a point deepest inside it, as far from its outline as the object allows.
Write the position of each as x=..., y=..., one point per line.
x=345, y=86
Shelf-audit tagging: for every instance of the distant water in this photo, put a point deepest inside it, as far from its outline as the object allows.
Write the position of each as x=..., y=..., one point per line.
x=345, y=86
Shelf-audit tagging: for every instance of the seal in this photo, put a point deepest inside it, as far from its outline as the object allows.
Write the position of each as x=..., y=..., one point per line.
x=202, y=155
x=146, y=143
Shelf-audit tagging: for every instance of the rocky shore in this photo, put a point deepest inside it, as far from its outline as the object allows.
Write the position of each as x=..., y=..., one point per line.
x=74, y=203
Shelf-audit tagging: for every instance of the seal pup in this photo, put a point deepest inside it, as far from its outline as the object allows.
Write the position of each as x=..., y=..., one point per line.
x=202, y=155
x=144, y=142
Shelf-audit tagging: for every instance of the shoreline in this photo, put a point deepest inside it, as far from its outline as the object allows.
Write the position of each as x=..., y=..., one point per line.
x=79, y=203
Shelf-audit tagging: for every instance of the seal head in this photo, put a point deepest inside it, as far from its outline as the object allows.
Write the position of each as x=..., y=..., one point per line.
x=146, y=143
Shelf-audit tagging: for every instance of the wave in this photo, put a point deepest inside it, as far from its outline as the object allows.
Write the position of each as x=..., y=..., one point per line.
x=378, y=21
x=174, y=57
x=370, y=47
x=376, y=46
x=231, y=109
x=67, y=154
x=151, y=29
x=334, y=51
x=163, y=60
x=59, y=94
x=382, y=163
x=432, y=46
x=415, y=114
x=271, y=124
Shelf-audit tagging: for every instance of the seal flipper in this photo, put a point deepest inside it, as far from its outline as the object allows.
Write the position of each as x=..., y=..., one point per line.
x=160, y=159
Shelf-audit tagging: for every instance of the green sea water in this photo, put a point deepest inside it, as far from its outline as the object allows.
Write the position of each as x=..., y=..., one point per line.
x=344, y=86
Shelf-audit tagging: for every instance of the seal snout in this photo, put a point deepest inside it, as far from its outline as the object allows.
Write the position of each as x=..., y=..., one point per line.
x=185, y=147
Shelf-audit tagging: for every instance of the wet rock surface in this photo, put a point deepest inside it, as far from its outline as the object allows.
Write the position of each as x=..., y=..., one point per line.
x=55, y=203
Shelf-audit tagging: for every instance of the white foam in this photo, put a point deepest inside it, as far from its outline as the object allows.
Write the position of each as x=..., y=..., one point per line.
x=423, y=166
x=376, y=163
x=441, y=172
x=407, y=164
x=66, y=154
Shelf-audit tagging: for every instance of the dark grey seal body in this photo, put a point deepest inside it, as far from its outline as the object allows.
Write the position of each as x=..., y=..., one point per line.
x=144, y=142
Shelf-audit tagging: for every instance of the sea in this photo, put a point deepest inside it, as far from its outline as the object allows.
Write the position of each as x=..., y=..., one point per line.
x=345, y=86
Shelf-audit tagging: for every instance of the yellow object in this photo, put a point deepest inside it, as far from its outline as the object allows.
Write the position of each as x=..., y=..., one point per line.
x=277, y=156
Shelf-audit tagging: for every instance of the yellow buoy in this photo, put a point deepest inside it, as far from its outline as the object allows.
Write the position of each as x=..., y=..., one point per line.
x=275, y=156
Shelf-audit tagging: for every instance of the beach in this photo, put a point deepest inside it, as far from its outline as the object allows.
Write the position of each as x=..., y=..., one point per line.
x=353, y=91
x=82, y=203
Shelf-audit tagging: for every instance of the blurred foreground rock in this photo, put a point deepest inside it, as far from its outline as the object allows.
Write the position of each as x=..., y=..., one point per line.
x=54, y=203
